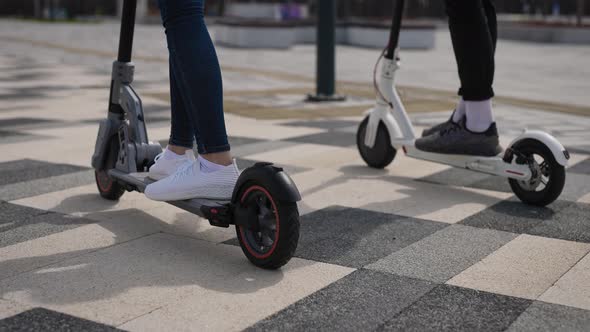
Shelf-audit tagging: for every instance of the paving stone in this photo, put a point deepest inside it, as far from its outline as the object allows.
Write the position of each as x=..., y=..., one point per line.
x=21, y=223
x=360, y=301
x=17, y=137
x=11, y=123
x=10, y=308
x=443, y=254
x=245, y=163
x=514, y=216
x=571, y=223
x=305, y=154
x=582, y=167
x=29, y=255
x=584, y=149
x=249, y=295
x=85, y=202
x=27, y=169
x=123, y=282
x=455, y=177
x=355, y=237
x=46, y=185
x=576, y=186
x=324, y=124
x=246, y=150
x=235, y=141
x=573, y=288
x=329, y=138
x=493, y=183
x=40, y=319
x=510, y=269
x=448, y=308
x=546, y=317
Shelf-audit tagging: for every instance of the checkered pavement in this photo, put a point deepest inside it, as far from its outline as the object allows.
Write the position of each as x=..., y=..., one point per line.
x=418, y=246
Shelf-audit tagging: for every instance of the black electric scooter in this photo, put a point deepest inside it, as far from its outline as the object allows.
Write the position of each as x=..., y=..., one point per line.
x=264, y=203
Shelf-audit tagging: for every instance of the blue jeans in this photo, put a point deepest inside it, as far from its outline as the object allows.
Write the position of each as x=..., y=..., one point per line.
x=196, y=90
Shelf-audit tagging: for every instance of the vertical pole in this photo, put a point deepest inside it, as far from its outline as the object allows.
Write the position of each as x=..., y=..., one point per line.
x=580, y=12
x=326, y=52
x=326, y=67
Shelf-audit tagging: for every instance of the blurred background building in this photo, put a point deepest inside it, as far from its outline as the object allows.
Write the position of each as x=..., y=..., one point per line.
x=574, y=10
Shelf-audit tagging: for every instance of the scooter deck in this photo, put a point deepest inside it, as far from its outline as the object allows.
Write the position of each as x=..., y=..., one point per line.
x=139, y=181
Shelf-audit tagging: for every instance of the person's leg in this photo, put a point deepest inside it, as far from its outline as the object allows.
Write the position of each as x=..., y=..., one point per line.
x=182, y=133
x=474, y=48
x=196, y=68
x=492, y=18
x=474, y=45
x=196, y=88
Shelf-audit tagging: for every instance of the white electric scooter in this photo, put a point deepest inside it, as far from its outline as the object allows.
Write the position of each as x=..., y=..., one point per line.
x=534, y=163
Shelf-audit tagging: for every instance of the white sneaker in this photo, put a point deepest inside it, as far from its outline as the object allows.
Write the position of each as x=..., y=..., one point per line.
x=168, y=162
x=189, y=182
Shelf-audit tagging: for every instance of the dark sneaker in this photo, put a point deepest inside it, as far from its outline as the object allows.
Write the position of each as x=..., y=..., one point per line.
x=439, y=127
x=457, y=139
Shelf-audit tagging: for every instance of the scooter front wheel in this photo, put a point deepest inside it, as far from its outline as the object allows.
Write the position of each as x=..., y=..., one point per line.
x=271, y=242
x=548, y=176
x=382, y=153
x=108, y=188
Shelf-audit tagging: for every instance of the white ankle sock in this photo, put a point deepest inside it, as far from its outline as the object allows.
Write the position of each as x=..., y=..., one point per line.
x=459, y=113
x=170, y=155
x=479, y=115
x=209, y=167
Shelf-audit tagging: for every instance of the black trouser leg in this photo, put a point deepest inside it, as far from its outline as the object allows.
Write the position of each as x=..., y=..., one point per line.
x=473, y=29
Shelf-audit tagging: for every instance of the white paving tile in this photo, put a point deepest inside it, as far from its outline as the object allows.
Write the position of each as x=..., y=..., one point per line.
x=85, y=202
x=11, y=308
x=123, y=282
x=309, y=155
x=32, y=254
x=573, y=288
x=234, y=311
x=525, y=267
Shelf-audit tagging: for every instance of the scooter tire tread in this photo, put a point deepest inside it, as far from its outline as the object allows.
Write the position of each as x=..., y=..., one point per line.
x=382, y=146
x=557, y=178
x=288, y=239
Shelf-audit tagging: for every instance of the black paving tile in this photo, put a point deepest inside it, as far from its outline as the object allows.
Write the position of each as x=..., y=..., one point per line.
x=360, y=301
x=449, y=308
x=455, y=177
x=27, y=170
x=514, y=216
x=548, y=317
x=582, y=149
x=571, y=223
x=11, y=134
x=493, y=183
x=576, y=186
x=40, y=319
x=10, y=123
x=355, y=237
x=582, y=167
x=239, y=141
x=324, y=124
x=46, y=185
x=332, y=138
x=21, y=223
x=25, y=76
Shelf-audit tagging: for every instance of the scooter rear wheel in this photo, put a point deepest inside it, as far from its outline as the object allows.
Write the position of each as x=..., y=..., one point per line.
x=548, y=175
x=107, y=187
x=382, y=153
x=272, y=242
